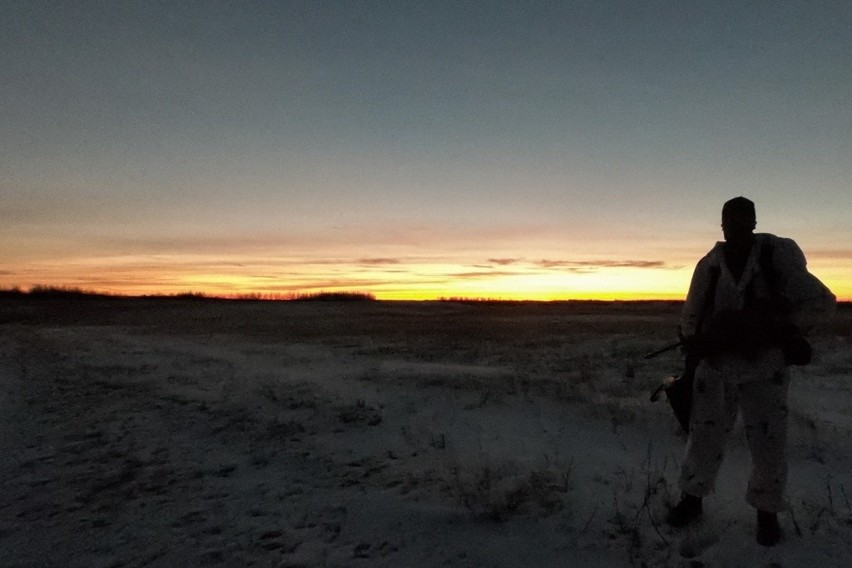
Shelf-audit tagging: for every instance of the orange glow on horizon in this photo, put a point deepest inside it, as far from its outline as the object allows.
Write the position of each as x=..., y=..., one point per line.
x=514, y=289
x=385, y=279
x=391, y=295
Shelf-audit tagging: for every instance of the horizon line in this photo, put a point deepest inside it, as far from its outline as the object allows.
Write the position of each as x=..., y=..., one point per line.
x=55, y=292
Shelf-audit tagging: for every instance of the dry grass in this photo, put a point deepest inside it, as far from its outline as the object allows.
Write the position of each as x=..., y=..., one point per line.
x=498, y=491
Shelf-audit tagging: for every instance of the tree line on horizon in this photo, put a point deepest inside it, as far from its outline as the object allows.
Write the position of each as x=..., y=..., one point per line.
x=72, y=292
x=44, y=291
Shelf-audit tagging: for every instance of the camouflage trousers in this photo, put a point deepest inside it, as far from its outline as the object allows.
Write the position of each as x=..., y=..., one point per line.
x=716, y=402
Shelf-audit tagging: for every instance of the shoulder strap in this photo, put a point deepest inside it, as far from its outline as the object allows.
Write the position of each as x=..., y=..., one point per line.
x=772, y=278
x=710, y=299
x=767, y=267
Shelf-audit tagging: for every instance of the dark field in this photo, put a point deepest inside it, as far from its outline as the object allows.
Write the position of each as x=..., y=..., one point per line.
x=194, y=432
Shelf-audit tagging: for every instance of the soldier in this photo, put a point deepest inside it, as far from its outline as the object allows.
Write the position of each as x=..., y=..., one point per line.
x=750, y=301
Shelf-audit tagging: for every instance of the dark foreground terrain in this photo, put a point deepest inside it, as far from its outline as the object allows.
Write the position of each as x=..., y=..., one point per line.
x=164, y=432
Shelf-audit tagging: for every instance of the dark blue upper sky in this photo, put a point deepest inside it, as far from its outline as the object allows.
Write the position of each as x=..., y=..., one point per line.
x=577, y=128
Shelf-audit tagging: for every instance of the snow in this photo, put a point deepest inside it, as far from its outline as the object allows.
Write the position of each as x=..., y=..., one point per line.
x=164, y=433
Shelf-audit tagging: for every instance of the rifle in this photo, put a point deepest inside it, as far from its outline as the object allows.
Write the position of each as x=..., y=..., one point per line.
x=678, y=389
x=670, y=380
x=661, y=350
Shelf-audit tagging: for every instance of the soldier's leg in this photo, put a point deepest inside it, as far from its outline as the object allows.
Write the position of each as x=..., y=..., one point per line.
x=714, y=410
x=764, y=407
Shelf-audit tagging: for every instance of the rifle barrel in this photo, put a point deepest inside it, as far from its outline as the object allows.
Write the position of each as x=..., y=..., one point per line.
x=661, y=350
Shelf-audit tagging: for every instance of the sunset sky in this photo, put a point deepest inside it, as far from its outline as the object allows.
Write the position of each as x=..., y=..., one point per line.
x=540, y=150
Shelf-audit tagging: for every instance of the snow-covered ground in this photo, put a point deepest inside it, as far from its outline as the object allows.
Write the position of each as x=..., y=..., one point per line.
x=195, y=433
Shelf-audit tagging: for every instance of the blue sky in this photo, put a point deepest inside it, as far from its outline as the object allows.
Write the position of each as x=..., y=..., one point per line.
x=393, y=146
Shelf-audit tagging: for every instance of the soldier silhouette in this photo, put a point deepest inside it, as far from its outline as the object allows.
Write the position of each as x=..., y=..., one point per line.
x=763, y=300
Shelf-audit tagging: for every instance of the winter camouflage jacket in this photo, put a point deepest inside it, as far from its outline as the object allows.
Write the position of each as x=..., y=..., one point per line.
x=806, y=300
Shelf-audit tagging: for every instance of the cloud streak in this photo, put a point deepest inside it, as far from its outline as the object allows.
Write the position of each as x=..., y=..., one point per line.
x=580, y=266
x=488, y=274
x=378, y=261
x=595, y=265
x=504, y=261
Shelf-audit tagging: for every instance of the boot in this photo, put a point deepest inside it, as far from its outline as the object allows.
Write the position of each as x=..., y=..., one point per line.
x=684, y=512
x=768, y=530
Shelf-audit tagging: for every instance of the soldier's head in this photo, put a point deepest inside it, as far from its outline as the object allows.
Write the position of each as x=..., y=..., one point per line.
x=738, y=220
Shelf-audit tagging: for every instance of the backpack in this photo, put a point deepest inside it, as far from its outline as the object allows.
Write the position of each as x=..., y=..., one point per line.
x=796, y=349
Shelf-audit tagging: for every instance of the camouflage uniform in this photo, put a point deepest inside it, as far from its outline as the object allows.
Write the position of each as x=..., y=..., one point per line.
x=755, y=382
